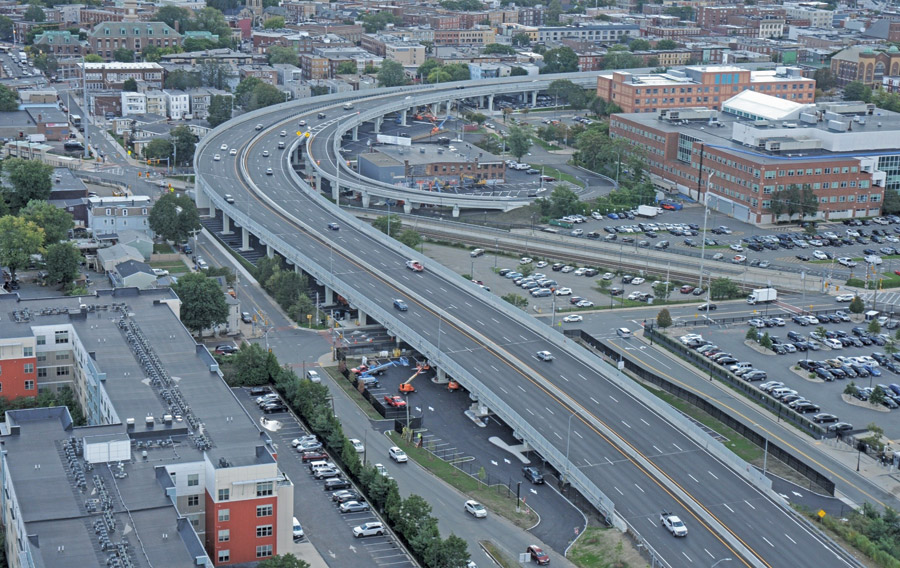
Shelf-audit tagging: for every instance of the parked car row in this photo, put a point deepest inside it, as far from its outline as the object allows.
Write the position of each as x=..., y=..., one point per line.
x=539, y=285
x=793, y=400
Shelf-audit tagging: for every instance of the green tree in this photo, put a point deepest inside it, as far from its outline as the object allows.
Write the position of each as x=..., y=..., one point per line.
x=202, y=302
x=174, y=217
x=664, y=44
x=347, y=68
x=283, y=561
x=874, y=327
x=302, y=309
x=55, y=222
x=215, y=74
x=9, y=99
x=516, y=300
x=181, y=79
x=415, y=512
x=877, y=397
x=439, y=75
x=824, y=78
x=518, y=141
x=130, y=85
x=63, y=262
x=553, y=12
x=850, y=388
x=252, y=365
x=723, y=289
x=34, y=13
x=857, y=91
x=93, y=58
x=123, y=55
x=661, y=291
x=173, y=16
x=621, y=60
x=390, y=223
x=219, y=110
x=6, y=28
x=518, y=72
x=766, y=341
x=752, y=334
x=185, y=143
x=561, y=202
x=30, y=180
x=560, y=60
x=448, y=553
x=279, y=54
x=521, y=39
x=264, y=95
x=158, y=149
x=274, y=23
x=856, y=305
x=266, y=267
x=199, y=44
x=286, y=286
x=46, y=62
x=499, y=49
x=319, y=90
x=213, y=21
x=458, y=71
x=664, y=318
x=429, y=65
x=639, y=45
x=374, y=22
x=410, y=238
x=244, y=90
x=19, y=239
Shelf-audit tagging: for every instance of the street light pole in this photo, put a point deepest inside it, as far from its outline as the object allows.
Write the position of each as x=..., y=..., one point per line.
x=765, y=452
x=87, y=111
x=703, y=236
x=568, y=439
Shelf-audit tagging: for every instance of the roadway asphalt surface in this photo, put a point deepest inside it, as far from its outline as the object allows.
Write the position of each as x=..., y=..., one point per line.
x=507, y=365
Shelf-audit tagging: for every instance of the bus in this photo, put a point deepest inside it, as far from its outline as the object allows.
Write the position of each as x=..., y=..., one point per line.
x=75, y=119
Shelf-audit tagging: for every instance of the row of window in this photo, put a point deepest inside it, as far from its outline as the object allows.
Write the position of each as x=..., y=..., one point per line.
x=263, y=551
x=261, y=532
x=60, y=372
x=124, y=211
x=29, y=385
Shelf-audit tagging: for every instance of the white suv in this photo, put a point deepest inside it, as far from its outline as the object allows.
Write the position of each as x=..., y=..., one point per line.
x=368, y=529
x=397, y=455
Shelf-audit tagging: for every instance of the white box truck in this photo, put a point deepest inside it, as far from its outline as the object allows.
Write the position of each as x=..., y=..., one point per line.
x=762, y=295
x=646, y=210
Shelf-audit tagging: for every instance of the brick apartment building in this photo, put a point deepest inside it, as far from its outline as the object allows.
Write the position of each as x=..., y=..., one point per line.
x=18, y=364
x=107, y=37
x=700, y=86
x=864, y=64
x=112, y=76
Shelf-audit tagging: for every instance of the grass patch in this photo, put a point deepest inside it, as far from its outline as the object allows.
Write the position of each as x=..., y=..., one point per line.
x=600, y=547
x=549, y=146
x=162, y=248
x=560, y=176
x=884, y=281
x=497, y=555
x=173, y=266
x=119, y=139
x=354, y=394
x=499, y=500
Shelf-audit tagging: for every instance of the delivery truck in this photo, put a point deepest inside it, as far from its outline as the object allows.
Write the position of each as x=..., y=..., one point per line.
x=647, y=210
x=762, y=295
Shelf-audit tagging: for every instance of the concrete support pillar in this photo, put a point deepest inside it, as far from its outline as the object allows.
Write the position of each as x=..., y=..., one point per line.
x=490, y=103
x=403, y=117
x=226, y=224
x=245, y=239
x=449, y=107
x=436, y=109
x=378, y=121
x=270, y=252
x=318, y=182
x=407, y=207
x=534, y=98
x=329, y=297
x=297, y=269
x=455, y=212
x=335, y=190
x=440, y=376
x=356, y=133
x=201, y=200
x=212, y=210
x=366, y=198
x=361, y=318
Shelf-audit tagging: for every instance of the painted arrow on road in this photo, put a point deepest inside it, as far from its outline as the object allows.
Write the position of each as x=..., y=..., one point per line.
x=494, y=463
x=352, y=549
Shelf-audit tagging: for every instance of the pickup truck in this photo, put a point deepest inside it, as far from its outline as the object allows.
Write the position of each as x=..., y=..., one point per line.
x=672, y=524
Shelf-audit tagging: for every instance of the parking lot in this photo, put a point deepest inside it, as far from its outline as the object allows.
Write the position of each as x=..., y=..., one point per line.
x=793, y=366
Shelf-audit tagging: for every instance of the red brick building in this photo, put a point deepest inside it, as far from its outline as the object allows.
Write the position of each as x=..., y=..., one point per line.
x=18, y=363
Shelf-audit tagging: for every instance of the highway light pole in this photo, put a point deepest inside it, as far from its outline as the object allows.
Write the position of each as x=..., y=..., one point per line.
x=765, y=453
x=568, y=439
x=703, y=235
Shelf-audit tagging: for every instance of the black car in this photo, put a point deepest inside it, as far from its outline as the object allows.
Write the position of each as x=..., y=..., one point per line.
x=259, y=391
x=274, y=407
x=803, y=257
x=349, y=495
x=824, y=374
x=557, y=267
x=532, y=475
x=824, y=417
x=336, y=483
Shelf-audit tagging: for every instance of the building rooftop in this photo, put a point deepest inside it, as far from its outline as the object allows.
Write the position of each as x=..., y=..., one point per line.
x=116, y=66
x=763, y=106
x=423, y=154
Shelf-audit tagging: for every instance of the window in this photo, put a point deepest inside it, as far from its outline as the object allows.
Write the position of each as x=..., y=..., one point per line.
x=264, y=551
x=108, y=212
x=42, y=340
x=61, y=337
x=28, y=352
x=263, y=530
x=224, y=494
x=193, y=479
x=62, y=371
x=224, y=515
x=224, y=556
x=193, y=500
x=264, y=510
x=42, y=373
x=63, y=356
x=265, y=488
x=29, y=368
x=124, y=212
x=224, y=535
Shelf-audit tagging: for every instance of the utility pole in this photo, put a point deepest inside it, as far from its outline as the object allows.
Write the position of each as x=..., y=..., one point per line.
x=87, y=111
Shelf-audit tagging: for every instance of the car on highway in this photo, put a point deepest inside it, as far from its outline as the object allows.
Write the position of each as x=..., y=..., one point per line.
x=259, y=127
x=334, y=226
x=572, y=318
x=400, y=305
x=283, y=133
x=673, y=524
x=217, y=157
x=368, y=529
x=269, y=172
x=357, y=445
x=232, y=152
x=398, y=455
x=395, y=401
x=704, y=307
x=845, y=297
x=228, y=198
x=537, y=555
x=265, y=154
x=415, y=265
x=533, y=475
x=354, y=507
x=475, y=509
x=223, y=147
x=544, y=355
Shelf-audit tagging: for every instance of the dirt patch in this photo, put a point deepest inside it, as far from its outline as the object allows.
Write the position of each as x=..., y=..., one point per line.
x=803, y=374
x=757, y=347
x=602, y=547
x=863, y=403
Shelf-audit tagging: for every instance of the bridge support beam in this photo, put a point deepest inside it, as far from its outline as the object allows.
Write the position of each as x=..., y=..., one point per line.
x=245, y=239
x=440, y=376
x=378, y=121
x=366, y=198
x=318, y=181
x=356, y=133
x=455, y=212
x=328, y=299
x=226, y=224
x=490, y=103
x=534, y=98
x=407, y=206
x=361, y=318
x=335, y=190
x=270, y=252
x=201, y=200
x=212, y=210
x=403, y=114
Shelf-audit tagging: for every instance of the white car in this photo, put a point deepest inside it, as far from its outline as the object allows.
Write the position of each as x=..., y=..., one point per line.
x=568, y=268
x=160, y=272
x=283, y=133
x=736, y=248
x=638, y=280
x=269, y=172
x=873, y=259
x=573, y=318
x=608, y=276
x=476, y=509
x=398, y=455
x=585, y=304
x=302, y=123
x=233, y=152
x=847, y=261
x=223, y=147
x=541, y=264
x=845, y=298
x=368, y=529
x=525, y=260
x=564, y=292
x=544, y=355
x=216, y=158
x=357, y=445
x=265, y=154
x=820, y=255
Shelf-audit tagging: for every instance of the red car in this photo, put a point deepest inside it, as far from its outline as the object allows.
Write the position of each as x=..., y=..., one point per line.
x=686, y=289
x=415, y=265
x=395, y=401
x=313, y=456
x=897, y=272
x=538, y=555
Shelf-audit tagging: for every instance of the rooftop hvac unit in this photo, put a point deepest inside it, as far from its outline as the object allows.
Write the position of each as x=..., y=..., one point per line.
x=838, y=126
x=808, y=118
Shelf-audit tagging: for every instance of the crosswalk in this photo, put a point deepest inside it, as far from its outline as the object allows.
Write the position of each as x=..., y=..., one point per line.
x=885, y=301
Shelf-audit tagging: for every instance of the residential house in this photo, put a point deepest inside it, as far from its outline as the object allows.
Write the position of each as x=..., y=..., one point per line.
x=132, y=274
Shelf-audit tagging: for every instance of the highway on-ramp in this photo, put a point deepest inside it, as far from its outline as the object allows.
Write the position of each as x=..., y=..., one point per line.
x=626, y=449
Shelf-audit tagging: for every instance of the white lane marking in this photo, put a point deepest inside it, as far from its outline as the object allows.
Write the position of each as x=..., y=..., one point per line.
x=787, y=536
x=529, y=411
x=579, y=435
x=657, y=449
x=694, y=478
x=582, y=376
x=620, y=493
x=613, y=398
x=495, y=320
x=558, y=436
x=479, y=322
x=595, y=400
x=550, y=411
x=639, y=487
x=749, y=505
x=506, y=339
x=444, y=290
x=686, y=556
x=503, y=389
x=767, y=542
x=727, y=507
x=523, y=337
x=712, y=474
x=645, y=422
x=676, y=447
x=520, y=388
x=626, y=423
x=494, y=368
x=564, y=378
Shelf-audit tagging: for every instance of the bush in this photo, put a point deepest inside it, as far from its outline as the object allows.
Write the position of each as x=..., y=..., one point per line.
x=664, y=318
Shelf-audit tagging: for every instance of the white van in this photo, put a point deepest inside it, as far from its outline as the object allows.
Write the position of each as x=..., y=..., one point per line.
x=348, y=106
x=298, y=530
x=623, y=332
x=833, y=343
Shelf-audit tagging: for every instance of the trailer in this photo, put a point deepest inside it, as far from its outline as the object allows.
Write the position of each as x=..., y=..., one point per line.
x=647, y=211
x=762, y=295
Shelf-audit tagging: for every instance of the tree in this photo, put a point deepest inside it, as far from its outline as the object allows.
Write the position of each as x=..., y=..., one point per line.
x=439, y=75
x=621, y=59
x=561, y=202
x=274, y=23
x=553, y=12
x=664, y=318
x=518, y=141
x=55, y=222
x=661, y=290
x=427, y=67
x=279, y=54
x=856, y=305
x=391, y=74
x=723, y=288
x=499, y=49
x=215, y=74
x=19, y=239
x=182, y=80
x=374, y=22
x=752, y=334
x=414, y=514
x=388, y=224
x=857, y=91
x=639, y=45
x=347, y=68
x=219, y=110
x=30, y=180
x=410, y=238
x=850, y=388
x=244, y=90
x=264, y=95
x=93, y=58
x=63, y=262
x=185, y=143
x=252, y=365
x=766, y=341
x=448, y=553
x=199, y=44
x=123, y=55
x=516, y=300
x=518, y=72
x=213, y=21
x=560, y=60
x=6, y=28
x=663, y=44
x=521, y=39
x=9, y=99
x=173, y=16
x=202, y=302
x=174, y=217
x=824, y=78
x=130, y=85
x=283, y=561
x=874, y=327
x=34, y=13
x=158, y=149
x=877, y=397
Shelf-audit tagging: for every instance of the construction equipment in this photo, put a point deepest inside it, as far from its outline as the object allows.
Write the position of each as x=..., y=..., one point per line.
x=437, y=128
x=407, y=386
x=377, y=370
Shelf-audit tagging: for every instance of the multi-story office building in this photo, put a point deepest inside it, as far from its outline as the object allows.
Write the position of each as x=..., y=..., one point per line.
x=758, y=145
x=107, y=37
x=112, y=76
x=169, y=470
x=700, y=86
